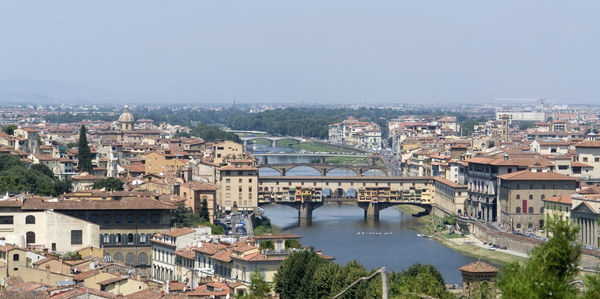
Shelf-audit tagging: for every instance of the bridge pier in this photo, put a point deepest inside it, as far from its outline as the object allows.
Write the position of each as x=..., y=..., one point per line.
x=274, y=143
x=246, y=144
x=282, y=171
x=323, y=171
x=372, y=211
x=305, y=210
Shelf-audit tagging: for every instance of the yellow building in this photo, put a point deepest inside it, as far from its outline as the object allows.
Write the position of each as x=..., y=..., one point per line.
x=164, y=161
x=227, y=150
x=238, y=185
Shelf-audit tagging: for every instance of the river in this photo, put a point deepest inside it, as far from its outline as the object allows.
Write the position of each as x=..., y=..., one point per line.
x=341, y=231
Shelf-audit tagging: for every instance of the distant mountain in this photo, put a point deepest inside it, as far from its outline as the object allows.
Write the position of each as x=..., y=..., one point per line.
x=31, y=91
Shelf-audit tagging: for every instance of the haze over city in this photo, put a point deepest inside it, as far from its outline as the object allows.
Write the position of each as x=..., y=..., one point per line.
x=288, y=52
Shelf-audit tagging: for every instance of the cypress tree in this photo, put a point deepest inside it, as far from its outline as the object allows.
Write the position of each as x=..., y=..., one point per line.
x=204, y=210
x=85, y=154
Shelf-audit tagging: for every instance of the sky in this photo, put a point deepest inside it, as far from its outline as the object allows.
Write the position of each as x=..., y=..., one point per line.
x=279, y=51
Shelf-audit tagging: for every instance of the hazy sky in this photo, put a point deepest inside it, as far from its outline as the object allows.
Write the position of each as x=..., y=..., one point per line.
x=316, y=51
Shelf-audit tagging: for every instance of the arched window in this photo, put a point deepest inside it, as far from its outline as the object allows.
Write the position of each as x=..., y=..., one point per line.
x=143, y=239
x=30, y=219
x=106, y=239
x=543, y=196
x=30, y=236
x=518, y=196
x=518, y=225
x=518, y=210
x=130, y=239
x=142, y=259
x=530, y=210
x=15, y=257
x=541, y=210
x=530, y=196
x=129, y=259
x=118, y=257
x=118, y=238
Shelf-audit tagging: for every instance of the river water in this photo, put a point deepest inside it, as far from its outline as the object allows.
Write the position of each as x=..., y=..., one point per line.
x=341, y=231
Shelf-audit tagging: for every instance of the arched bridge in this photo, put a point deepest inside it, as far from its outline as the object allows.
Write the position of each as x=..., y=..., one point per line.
x=324, y=168
x=372, y=194
x=273, y=139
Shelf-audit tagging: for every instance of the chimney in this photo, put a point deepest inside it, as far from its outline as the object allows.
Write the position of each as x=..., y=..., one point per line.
x=505, y=157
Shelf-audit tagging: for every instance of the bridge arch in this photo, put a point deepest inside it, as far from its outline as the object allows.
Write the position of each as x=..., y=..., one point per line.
x=373, y=172
x=268, y=169
x=355, y=171
x=304, y=167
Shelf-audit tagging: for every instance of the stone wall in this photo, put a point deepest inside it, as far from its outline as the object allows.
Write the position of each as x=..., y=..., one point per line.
x=589, y=258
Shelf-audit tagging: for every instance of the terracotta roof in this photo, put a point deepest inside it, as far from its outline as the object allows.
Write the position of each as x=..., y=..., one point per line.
x=218, y=289
x=179, y=232
x=564, y=198
x=10, y=203
x=590, y=190
x=135, y=167
x=127, y=203
x=202, y=186
x=231, y=167
x=449, y=183
x=209, y=248
x=111, y=280
x=526, y=175
x=589, y=143
x=281, y=236
x=186, y=253
x=581, y=164
x=479, y=267
x=224, y=256
x=85, y=275
x=560, y=142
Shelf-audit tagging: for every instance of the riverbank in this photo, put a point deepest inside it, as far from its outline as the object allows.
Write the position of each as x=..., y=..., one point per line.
x=468, y=245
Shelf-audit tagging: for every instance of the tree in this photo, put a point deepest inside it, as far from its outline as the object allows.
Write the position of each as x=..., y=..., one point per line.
x=259, y=288
x=292, y=243
x=550, y=269
x=84, y=153
x=294, y=278
x=9, y=129
x=203, y=213
x=109, y=184
x=43, y=169
x=268, y=244
x=184, y=217
x=15, y=177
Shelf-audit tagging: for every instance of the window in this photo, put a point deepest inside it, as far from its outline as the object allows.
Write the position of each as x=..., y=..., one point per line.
x=227, y=180
x=129, y=259
x=6, y=219
x=530, y=225
x=130, y=218
x=563, y=167
x=118, y=257
x=543, y=196
x=143, y=218
x=106, y=219
x=118, y=238
x=227, y=188
x=530, y=210
x=518, y=210
x=106, y=239
x=154, y=218
x=76, y=237
x=30, y=236
x=596, y=159
x=518, y=225
x=240, y=180
x=585, y=159
x=130, y=239
x=30, y=219
x=541, y=210
x=518, y=196
x=143, y=239
x=530, y=196
x=250, y=180
x=142, y=259
x=118, y=218
x=15, y=257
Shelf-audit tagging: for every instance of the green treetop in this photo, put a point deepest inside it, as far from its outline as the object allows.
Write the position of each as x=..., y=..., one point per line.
x=84, y=152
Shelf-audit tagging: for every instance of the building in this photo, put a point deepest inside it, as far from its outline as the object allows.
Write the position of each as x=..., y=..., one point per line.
x=356, y=133
x=550, y=146
x=45, y=229
x=165, y=161
x=585, y=212
x=226, y=150
x=558, y=206
x=126, y=120
x=478, y=272
x=535, y=116
x=449, y=197
x=165, y=246
x=195, y=193
x=126, y=225
x=521, y=197
x=238, y=186
x=588, y=152
x=482, y=202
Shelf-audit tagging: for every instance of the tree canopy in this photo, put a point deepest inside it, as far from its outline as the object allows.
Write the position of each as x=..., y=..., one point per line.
x=9, y=129
x=212, y=133
x=109, y=184
x=84, y=152
x=16, y=177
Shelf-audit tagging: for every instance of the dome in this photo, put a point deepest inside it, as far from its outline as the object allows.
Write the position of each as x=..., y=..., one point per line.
x=126, y=117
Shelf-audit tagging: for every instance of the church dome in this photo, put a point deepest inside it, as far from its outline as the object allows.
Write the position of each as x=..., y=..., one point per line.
x=126, y=117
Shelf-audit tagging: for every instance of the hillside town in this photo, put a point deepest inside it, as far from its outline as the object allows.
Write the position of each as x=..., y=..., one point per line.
x=119, y=226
